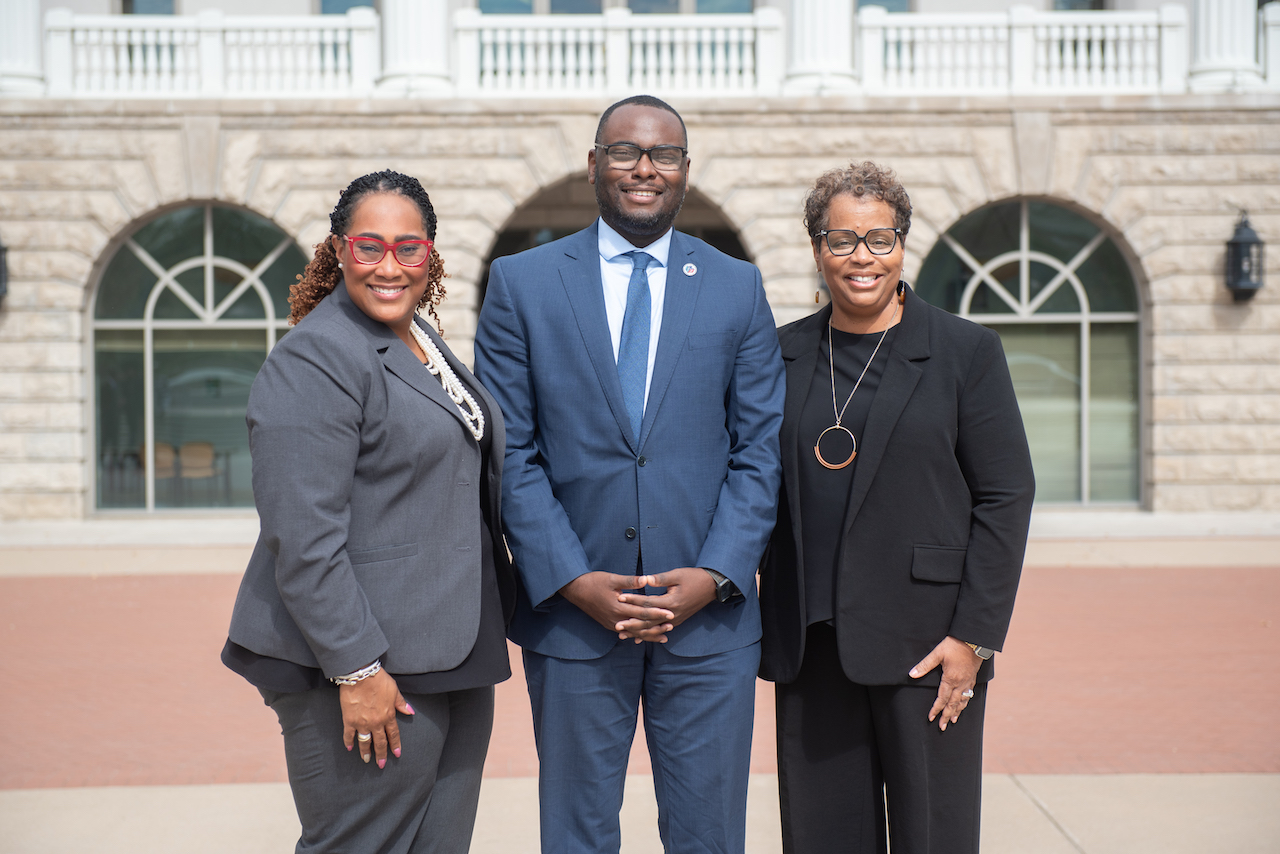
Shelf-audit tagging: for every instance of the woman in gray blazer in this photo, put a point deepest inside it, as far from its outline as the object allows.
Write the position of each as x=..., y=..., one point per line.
x=891, y=575
x=372, y=614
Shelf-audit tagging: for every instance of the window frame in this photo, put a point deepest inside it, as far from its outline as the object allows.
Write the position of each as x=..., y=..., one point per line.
x=1023, y=312
x=209, y=316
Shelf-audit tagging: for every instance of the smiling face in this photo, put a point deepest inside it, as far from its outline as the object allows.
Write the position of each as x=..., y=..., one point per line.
x=641, y=202
x=862, y=285
x=386, y=291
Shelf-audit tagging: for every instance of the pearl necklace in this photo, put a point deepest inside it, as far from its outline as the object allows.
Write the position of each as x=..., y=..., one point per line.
x=453, y=387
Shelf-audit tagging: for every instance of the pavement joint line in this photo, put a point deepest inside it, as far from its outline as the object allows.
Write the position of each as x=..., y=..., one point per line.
x=1044, y=810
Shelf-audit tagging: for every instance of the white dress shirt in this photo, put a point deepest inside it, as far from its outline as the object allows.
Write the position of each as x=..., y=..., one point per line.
x=615, y=273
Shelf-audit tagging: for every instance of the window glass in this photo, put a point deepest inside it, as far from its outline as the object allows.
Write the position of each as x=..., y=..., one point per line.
x=575, y=7
x=1107, y=280
x=118, y=408
x=1113, y=411
x=1044, y=360
x=174, y=237
x=147, y=7
x=341, y=7
x=641, y=7
x=506, y=7
x=126, y=284
x=210, y=330
x=724, y=7
x=202, y=382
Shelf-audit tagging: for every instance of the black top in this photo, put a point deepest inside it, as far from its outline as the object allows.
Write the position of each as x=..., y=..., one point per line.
x=487, y=662
x=824, y=493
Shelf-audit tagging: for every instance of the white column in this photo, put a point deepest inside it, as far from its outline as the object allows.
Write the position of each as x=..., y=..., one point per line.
x=1224, y=42
x=20, y=70
x=821, y=57
x=416, y=40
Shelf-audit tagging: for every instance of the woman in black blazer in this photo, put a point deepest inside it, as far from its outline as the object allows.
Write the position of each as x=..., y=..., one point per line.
x=891, y=575
x=372, y=614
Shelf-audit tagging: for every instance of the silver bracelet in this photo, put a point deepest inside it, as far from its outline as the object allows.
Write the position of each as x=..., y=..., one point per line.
x=357, y=676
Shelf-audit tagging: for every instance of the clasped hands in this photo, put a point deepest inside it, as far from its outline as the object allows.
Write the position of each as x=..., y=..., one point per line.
x=605, y=597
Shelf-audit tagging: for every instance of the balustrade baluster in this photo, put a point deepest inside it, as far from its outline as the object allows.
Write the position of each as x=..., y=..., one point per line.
x=502, y=57
x=750, y=67
x=1096, y=71
x=164, y=39
x=892, y=58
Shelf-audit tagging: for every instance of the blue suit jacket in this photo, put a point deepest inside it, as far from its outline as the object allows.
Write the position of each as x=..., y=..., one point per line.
x=697, y=487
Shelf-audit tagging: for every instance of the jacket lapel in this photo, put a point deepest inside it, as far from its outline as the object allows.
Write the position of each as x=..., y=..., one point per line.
x=677, y=313
x=580, y=275
x=398, y=358
x=800, y=356
x=901, y=375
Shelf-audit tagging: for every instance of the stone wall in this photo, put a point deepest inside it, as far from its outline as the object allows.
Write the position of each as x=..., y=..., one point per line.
x=1166, y=174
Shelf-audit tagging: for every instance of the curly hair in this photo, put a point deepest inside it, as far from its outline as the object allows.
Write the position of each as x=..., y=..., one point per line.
x=858, y=180
x=322, y=275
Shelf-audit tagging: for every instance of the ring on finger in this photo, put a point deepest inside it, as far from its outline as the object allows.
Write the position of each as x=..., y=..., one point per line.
x=366, y=736
x=967, y=694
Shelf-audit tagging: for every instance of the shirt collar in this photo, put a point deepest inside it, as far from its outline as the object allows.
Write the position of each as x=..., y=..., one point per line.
x=613, y=244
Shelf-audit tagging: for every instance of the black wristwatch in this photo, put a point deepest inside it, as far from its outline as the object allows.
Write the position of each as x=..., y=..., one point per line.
x=983, y=652
x=725, y=589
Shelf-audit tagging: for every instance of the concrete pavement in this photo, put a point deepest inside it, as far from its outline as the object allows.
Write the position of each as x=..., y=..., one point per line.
x=1141, y=643
x=1022, y=814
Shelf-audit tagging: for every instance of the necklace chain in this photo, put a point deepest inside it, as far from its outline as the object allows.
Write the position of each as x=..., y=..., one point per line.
x=453, y=387
x=839, y=411
x=831, y=358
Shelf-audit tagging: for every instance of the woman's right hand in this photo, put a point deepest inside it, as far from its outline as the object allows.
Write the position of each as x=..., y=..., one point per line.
x=370, y=706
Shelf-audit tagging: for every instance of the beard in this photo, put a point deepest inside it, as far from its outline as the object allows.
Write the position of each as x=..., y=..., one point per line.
x=655, y=222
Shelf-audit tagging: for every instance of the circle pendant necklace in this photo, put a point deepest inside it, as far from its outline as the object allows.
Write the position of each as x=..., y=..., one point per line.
x=839, y=413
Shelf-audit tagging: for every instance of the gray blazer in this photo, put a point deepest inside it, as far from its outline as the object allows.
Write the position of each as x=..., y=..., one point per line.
x=366, y=481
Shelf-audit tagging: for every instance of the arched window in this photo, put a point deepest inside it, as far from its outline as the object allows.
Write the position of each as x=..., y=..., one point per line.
x=186, y=312
x=1059, y=292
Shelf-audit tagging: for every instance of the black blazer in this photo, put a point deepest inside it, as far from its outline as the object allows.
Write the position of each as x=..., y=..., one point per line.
x=938, y=511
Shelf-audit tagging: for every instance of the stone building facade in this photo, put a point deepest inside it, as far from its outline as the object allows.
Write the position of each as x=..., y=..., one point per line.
x=1163, y=176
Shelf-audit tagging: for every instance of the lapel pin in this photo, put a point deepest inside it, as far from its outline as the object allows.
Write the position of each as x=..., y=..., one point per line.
x=690, y=269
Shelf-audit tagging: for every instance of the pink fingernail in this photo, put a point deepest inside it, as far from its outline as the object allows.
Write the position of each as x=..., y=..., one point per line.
x=396, y=752
x=410, y=708
x=349, y=746
x=382, y=763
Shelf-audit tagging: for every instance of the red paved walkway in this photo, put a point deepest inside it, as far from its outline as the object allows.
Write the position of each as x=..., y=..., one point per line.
x=115, y=681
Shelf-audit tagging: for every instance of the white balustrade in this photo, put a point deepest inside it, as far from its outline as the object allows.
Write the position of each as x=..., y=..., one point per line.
x=1023, y=51
x=210, y=54
x=618, y=52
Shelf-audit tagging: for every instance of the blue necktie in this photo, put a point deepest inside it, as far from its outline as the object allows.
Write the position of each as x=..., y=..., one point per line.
x=633, y=350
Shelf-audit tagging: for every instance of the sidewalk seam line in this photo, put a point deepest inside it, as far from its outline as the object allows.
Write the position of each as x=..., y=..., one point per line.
x=1044, y=810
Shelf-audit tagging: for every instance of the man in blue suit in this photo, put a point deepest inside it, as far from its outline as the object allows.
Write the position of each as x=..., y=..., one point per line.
x=639, y=372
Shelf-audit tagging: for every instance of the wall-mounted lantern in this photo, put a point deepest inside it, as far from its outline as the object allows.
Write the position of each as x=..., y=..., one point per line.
x=1244, y=260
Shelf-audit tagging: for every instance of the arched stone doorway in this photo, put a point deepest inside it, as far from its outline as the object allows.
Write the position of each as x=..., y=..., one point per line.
x=570, y=205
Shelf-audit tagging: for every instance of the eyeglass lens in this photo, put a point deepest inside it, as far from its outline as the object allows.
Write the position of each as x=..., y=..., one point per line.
x=880, y=241
x=624, y=156
x=370, y=250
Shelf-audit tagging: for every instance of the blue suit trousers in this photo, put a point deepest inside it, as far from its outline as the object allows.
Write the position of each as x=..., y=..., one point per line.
x=698, y=714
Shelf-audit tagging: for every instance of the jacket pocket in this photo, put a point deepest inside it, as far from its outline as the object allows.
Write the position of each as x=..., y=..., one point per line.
x=359, y=556
x=712, y=339
x=938, y=563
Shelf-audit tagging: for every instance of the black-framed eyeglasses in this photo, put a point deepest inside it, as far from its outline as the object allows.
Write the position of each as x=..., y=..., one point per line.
x=371, y=250
x=880, y=241
x=624, y=155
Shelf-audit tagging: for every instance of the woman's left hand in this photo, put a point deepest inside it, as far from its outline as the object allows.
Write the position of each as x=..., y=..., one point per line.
x=959, y=673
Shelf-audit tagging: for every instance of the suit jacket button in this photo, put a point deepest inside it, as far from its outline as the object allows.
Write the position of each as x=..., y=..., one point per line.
x=631, y=533
x=642, y=460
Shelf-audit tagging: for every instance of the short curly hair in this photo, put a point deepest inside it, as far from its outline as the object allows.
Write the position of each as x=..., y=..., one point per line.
x=322, y=275
x=859, y=180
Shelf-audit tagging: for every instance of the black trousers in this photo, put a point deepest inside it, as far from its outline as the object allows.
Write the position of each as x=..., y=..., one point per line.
x=861, y=765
